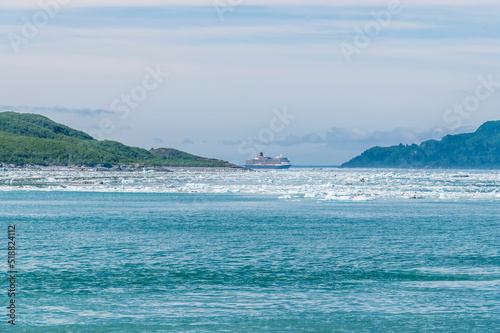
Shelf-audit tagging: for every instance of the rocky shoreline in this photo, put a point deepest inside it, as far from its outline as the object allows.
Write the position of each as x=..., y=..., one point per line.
x=122, y=168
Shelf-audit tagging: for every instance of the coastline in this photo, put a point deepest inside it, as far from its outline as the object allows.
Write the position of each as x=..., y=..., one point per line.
x=122, y=168
x=315, y=185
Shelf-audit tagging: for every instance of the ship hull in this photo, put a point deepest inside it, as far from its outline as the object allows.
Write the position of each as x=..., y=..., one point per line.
x=268, y=167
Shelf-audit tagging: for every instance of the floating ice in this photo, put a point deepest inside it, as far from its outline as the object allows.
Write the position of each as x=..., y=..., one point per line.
x=327, y=184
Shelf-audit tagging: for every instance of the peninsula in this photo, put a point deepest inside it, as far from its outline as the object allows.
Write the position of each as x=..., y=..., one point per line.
x=32, y=139
x=478, y=150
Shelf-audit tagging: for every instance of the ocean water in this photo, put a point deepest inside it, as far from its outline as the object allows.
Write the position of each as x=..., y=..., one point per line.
x=329, y=184
x=117, y=259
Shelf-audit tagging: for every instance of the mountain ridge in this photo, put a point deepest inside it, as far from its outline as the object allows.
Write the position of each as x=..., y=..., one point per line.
x=477, y=150
x=32, y=139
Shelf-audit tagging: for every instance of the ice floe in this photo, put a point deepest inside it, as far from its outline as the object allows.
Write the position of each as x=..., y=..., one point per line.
x=327, y=184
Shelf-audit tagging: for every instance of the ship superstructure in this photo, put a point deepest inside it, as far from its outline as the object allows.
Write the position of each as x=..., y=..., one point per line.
x=262, y=161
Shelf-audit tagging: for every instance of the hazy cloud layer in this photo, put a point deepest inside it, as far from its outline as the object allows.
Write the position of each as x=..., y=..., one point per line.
x=163, y=3
x=292, y=140
x=350, y=136
x=82, y=112
x=399, y=135
x=228, y=75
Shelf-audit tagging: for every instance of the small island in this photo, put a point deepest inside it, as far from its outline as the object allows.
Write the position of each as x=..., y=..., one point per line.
x=478, y=150
x=35, y=140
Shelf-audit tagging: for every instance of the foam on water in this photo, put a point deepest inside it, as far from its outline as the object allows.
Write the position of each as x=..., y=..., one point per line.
x=328, y=184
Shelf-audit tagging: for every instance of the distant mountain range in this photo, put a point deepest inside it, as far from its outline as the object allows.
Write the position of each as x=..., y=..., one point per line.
x=31, y=139
x=478, y=150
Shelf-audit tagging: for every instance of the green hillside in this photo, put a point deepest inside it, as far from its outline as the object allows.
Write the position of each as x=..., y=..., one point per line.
x=478, y=150
x=31, y=139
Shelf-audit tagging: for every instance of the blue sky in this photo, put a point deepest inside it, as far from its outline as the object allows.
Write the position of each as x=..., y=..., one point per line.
x=229, y=78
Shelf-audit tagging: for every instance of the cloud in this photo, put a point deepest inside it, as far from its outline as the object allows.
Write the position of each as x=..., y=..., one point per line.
x=228, y=3
x=83, y=112
x=158, y=141
x=358, y=136
x=293, y=140
x=290, y=140
x=226, y=142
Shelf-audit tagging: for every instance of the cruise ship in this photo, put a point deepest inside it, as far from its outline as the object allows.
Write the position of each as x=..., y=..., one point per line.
x=266, y=162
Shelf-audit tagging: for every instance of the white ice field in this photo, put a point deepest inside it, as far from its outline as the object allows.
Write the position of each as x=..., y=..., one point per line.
x=326, y=184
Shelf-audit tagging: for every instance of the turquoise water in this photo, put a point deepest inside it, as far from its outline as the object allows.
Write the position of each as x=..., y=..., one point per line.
x=117, y=262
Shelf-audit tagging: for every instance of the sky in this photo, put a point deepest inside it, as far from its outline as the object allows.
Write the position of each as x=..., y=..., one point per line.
x=317, y=81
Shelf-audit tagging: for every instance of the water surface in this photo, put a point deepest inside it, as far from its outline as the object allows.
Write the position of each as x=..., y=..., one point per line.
x=142, y=262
